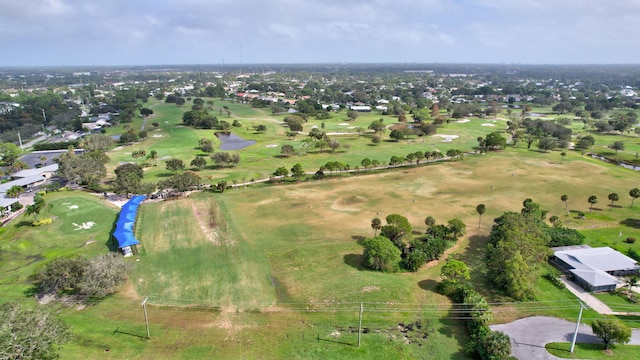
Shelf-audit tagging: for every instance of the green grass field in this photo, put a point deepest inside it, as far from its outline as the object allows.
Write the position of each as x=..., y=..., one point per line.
x=81, y=225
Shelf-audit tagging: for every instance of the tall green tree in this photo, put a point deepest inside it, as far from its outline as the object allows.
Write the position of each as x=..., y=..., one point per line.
x=376, y=225
x=480, y=209
x=592, y=200
x=564, y=199
x=128, y=178
x=429, y=221
x=611, y=331
x=199, y=162
x=380, y=254
x=174, y=164
x=516, y=251
x=297, y=171
x=456, y=228
x=617, y=146
x=613, y=197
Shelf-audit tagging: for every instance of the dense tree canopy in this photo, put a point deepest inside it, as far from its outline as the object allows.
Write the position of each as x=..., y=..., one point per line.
x=380, y=254
x=516, y=251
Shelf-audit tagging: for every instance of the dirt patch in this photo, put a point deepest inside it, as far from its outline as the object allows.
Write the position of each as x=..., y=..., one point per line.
x=367, y=289
x=207, y=224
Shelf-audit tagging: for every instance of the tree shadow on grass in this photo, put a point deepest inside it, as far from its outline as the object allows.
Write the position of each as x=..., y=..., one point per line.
x=23, y=223
x=355, y=261
x=428, y=285
x=359, y=239
x=633, y=223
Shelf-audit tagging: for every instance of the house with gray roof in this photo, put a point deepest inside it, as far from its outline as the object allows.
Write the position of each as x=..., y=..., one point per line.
x=594, y=269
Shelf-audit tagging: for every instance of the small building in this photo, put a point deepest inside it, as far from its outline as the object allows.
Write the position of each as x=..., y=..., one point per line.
x=361, y=108
x=594, y=269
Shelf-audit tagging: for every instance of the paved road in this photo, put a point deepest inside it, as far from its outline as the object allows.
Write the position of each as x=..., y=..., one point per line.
x=529, y=335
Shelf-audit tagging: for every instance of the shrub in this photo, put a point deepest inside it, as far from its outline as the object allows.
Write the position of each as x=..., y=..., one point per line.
x=555, y=280
x=630, y=240
x=43, y=221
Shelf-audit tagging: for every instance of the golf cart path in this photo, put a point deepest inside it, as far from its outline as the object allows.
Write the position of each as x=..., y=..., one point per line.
x=529, y=335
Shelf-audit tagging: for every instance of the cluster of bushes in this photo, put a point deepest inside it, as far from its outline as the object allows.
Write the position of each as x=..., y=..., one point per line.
x=485, y=343
x=91, y=278
x=57, y=146
x=628, y=295
x=555, y=280
x=389, y=251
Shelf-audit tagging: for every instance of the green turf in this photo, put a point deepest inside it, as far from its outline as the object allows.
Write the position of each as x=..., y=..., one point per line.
x=24, y=248
x=593, y=351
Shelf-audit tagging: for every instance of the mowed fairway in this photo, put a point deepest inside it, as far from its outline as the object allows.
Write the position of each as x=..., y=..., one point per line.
x=189, y=255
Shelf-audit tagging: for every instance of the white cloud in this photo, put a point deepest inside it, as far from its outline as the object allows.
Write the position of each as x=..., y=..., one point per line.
x=197, y=31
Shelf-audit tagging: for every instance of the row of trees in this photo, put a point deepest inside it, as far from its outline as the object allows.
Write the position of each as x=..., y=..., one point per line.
x=484, y=343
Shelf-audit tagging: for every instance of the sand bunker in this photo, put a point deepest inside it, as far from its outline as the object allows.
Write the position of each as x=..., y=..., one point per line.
x=352, y=127
x=157, y=135
x=272, y=145
x=488, y=125
x=463, y=121
x=447, y=138
x=343, y=124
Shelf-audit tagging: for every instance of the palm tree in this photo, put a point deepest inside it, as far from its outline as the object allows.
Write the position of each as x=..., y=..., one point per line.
x=481, y=208
x=592, y=200
x=376, y=225
x=564, y=198
x=429, y=221
x=613, y=197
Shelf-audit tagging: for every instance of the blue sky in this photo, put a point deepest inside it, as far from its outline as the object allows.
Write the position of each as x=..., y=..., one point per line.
x=139, y=32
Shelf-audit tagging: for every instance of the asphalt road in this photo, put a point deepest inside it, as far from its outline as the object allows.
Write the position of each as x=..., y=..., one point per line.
x=529, y=335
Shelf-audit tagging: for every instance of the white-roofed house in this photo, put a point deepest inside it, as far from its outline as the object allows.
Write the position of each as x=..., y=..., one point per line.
x=594, y=269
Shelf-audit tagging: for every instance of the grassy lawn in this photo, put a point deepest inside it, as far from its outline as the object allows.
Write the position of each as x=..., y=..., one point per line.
x=618, y=303
x=593, y=351
x=82, y=225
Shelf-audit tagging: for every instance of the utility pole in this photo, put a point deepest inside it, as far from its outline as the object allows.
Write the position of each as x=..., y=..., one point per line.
x=575, y=334
x=360, y=324
x=146, y=319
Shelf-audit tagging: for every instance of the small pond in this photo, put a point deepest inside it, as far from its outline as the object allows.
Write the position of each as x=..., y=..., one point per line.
x=231, y=141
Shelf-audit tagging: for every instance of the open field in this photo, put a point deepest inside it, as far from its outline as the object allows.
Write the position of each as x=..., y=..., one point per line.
x=273, y=271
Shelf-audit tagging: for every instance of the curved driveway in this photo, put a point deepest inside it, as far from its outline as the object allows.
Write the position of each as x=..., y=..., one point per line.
x=529, y=335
